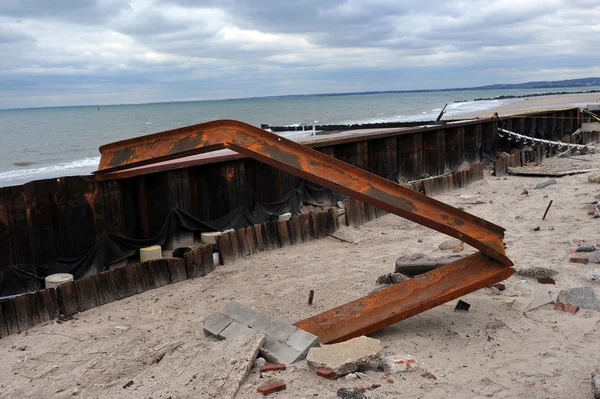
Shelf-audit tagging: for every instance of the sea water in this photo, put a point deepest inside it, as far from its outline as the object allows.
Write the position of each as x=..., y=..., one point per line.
x=45, y=143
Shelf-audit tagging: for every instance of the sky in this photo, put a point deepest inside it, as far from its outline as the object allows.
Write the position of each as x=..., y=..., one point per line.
x=71, y=52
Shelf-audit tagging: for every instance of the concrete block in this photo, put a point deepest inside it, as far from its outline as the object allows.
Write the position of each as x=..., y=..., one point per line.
x=584, y=297
x=278, y=352
x=271, y=326
x=360, y=353
x=235, y=329
x=302, y=341
x=210, y=237
x=150, y=253
x=215, y=323
x=284, y=216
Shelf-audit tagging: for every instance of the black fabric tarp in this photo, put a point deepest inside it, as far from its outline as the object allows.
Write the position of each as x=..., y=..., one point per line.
x=110, y=248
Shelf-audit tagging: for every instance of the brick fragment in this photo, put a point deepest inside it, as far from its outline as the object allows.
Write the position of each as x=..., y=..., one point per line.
x=268, y=389
x=546, y=280
x=579, y=260
x=499, y=286
x=326, y=373
x=272, y=367
x=565, y=307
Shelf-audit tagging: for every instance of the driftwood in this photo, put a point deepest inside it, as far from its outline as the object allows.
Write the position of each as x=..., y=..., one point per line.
x=537, y=173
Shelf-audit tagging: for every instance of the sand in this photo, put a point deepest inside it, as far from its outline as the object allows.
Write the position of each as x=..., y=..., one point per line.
x=536, y=103
x=542, y=353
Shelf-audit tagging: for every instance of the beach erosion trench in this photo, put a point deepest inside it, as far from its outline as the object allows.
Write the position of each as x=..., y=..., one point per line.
x=51, y=218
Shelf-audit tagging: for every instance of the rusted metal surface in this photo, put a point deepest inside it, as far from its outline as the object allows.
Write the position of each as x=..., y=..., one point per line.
x=401, y=301
x=307, y=164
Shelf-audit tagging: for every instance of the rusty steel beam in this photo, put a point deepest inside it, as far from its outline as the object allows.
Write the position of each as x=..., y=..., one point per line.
x=401, y=301
x=377, y=310
x=310, y=165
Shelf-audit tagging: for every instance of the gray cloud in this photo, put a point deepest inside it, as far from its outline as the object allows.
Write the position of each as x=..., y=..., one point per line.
x=105, y=51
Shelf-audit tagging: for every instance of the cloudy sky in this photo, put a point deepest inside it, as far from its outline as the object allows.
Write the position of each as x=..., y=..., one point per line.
x=66, y=52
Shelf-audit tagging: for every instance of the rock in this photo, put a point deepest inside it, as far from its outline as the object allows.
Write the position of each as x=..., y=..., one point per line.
x=351, y=393
x=360, y=375
x=535, y=272
x=593, y=257
x=385, y=279
x=470, y=199
x=594, y=275
x=398, y=278
x=545, y=184
x=259, y=362
x=360, y=353
x=451, y=244
x=583, y=297
x=496, y=324
x=350, y=377
x=400, y=363
x=586, y=248
x=594, y=177
x=596, y=383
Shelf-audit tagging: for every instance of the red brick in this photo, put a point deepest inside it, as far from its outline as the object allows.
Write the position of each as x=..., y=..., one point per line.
x=326, y=373
x=565, y=307
x=272, y=367
x=579, y=260
x=546, y=280
x=268, y=389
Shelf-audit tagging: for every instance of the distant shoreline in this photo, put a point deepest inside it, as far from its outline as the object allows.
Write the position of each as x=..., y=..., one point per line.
x=572, y=83
x=558, y=93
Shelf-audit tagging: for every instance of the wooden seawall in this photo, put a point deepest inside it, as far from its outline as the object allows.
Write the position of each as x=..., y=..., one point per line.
x=63, y=217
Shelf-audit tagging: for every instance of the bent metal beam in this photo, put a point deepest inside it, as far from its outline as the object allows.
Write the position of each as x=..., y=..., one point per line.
x=124, y=158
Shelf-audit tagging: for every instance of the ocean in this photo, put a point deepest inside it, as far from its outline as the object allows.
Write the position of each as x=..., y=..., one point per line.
x=41, y=143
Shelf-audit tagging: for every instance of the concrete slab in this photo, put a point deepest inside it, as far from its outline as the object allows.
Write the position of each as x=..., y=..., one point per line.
x=235, y=329
x=215, y=323
x=271, y=326
x=362, y=353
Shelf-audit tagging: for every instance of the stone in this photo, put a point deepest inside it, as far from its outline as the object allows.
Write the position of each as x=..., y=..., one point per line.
x=596, y=383
x=545, y=184
x=470, y=199
x=215, y=323
x=400, y=363
x=277, y=352
x=398, y=278
x=361, y=353
x=583, y=297
x=351, y=377
x=259, y=362
x=351, y=393
x=535, y=272
x=593, y=257
x=385, y=279
x=381, y=287
x=594, y=177
x=495, y=324
x=586, y=248
x=450, y=244
x=274, y=328
x=270, y=388
x=594, y=275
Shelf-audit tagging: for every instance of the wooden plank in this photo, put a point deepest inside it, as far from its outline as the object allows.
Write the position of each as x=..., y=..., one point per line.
x=307, y=234
x=250, y=240
x=67, y=299
x=295, y=229
x=27, y=311
x=207, y=258
x=177, y=270
x=48, y=305
x=225, y=253
x=87, y=293
x=283, y=233
x=159, y=269
x=145, y=275
x=333, y=221
x=9, y=317
x=3, y=328
x=235, y=245
x=244, y=245
x=106, y=287
x=259, y=235
x=272, y=235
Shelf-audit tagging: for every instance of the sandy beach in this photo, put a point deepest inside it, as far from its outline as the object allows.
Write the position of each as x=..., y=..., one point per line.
x=537, y=103
x=500, y=348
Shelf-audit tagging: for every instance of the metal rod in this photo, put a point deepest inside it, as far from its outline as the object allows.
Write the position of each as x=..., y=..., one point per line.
x=547, y=209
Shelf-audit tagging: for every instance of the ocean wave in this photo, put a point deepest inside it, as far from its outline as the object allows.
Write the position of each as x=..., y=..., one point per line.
x=81, y=166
